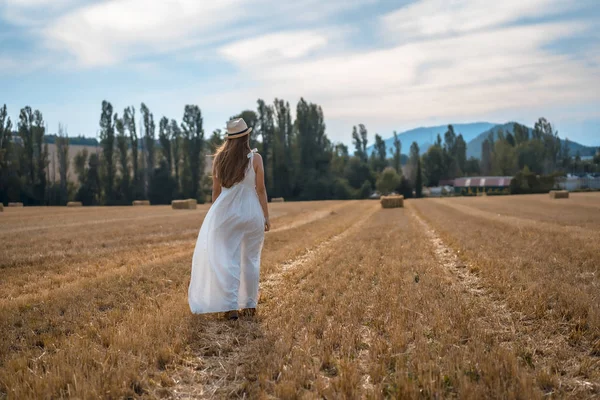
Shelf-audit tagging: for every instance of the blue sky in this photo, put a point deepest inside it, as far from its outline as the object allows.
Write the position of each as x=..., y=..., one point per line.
x=392, y=65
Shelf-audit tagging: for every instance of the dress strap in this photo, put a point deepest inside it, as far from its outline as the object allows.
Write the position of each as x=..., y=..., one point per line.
x=251, y=154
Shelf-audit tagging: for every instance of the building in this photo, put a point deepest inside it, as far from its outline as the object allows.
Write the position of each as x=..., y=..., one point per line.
x=479, y=184
x=572, y=183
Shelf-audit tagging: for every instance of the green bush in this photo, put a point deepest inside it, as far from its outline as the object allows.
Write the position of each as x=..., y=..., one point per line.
x=388, y=181
x=527, y=182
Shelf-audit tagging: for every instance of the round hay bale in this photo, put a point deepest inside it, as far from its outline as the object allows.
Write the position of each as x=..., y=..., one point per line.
x=141, y=202
x=74, y=204
x=188, y=204
x=559, y=194
x=392, y=201
x=277, y=200
x=15, y=204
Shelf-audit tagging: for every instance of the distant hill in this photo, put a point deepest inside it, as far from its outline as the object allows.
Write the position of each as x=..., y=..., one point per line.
x=426, y=136
x=474, y=146
x=75, y=140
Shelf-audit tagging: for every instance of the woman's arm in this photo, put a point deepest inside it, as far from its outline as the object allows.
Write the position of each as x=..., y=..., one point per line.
x=261, y=190
x=216, y=188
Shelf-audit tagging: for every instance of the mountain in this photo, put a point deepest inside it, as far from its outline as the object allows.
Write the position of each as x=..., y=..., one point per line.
x=474, y=146
x=425, y=136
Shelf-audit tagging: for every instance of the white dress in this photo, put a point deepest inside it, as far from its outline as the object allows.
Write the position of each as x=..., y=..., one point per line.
x=226, y=262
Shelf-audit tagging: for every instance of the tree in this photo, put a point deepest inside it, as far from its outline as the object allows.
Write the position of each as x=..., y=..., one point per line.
x=460, y=153
x=215, y=141
x=486, y=157
x=266, y=127
x=521, y=134
x=315, y=152
x=124, y=185
x=398, y=154
x=149, y=139
x=8, y=183
x=79, y=162
x=413, y=162
x=107, y=140
x=433, y=165
x=359, y=139
x=62, y=150
x=504, y=158
x=379, y=155
x=129, y=121
x=472, y=167
x=90, y=191
x=162, y=186
x=193, y=134
x=365, y=190
x=388, y=181
x=177, y=145
x=282, y=155
x=33, y=156
x=419, y=180
x=164, y=138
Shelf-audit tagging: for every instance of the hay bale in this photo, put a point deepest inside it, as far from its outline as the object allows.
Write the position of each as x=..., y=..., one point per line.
x=15, y=204
x=559, y=194
x=392, y=201
x=277, y=200
x=188, y=204
x=141, y=202
x=74, y=204
x=1, y=207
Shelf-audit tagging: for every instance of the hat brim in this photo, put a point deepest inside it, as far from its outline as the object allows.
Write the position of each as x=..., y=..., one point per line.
x=231, y=137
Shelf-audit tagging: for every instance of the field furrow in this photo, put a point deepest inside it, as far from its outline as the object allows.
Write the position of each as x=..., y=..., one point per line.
x=447, y=298
x=116, y=316
x=547, y=275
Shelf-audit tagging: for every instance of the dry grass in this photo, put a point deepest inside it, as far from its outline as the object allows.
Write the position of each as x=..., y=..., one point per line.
x=546, y=272
x=442, y=299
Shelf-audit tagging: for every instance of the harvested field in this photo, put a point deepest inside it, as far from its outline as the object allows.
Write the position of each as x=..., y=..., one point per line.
x=467, y=297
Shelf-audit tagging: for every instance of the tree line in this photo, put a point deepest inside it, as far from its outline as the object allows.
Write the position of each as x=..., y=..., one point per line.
x=537, y=151
x=142, y=160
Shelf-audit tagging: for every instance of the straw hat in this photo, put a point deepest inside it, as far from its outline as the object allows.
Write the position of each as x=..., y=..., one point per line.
x=237, y=128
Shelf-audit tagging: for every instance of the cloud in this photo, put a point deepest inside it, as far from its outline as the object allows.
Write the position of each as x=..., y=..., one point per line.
x=428, y=18
x=274, y=47
x=115, y=31
x=473, y=74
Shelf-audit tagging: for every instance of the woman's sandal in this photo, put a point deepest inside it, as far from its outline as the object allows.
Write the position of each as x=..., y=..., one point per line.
x=231, y=315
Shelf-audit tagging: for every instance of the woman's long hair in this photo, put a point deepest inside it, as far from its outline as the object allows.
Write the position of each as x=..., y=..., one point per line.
x=231, y=161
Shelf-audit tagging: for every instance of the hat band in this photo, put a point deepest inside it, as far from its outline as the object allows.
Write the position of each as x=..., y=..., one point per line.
x=237, y=133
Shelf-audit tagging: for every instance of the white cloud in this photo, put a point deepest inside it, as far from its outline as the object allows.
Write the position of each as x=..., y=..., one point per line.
x=461, y=77
x=273, y=47
x=427, y=18
x=110, y=32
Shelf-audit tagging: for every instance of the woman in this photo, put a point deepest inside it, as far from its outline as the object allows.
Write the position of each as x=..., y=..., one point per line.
x=226, y=262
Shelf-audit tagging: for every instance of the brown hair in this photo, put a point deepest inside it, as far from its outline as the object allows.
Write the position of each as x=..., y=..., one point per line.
x=231, y=161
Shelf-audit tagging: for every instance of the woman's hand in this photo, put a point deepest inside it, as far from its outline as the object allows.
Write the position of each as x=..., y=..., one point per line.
x=267, y=225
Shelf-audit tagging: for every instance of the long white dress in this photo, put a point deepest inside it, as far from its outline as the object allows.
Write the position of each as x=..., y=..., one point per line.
x=226, y=262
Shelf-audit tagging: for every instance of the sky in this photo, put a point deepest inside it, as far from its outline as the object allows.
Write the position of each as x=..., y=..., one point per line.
x=391, y=65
